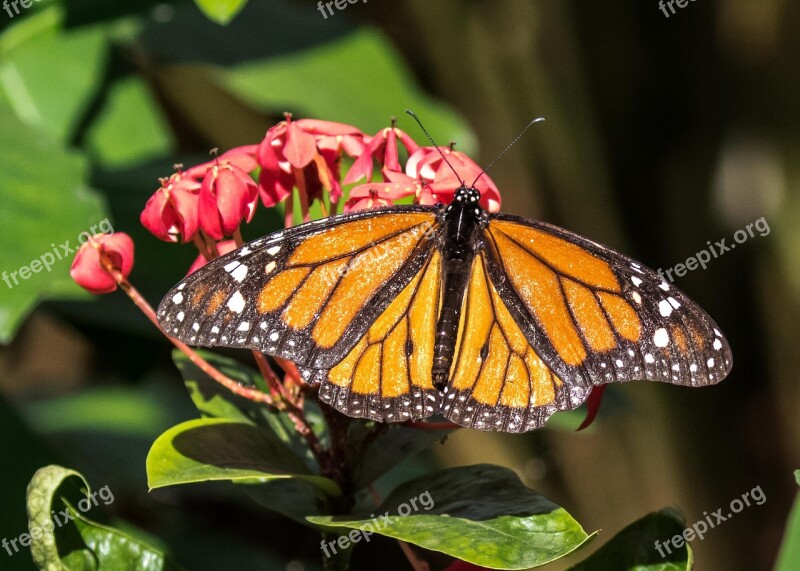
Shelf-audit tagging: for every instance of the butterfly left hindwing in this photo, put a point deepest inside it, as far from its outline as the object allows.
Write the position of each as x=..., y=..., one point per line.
x=387, y=375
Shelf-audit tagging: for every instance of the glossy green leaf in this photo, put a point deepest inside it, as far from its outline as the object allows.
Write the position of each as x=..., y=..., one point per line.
x=221, y=11
x=374, y=457
x=46, y=203
x=481, y=514
x=357, y=79
x=789, y=557
x=209, y=449
x=76, y=543
x=634, y=548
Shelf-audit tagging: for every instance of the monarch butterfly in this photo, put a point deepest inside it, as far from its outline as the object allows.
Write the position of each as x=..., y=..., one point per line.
x=494, y=321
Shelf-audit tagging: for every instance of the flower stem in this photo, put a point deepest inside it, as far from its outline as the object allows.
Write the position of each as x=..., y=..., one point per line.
x=255, y=395
x=432, y=425
x=302, y=192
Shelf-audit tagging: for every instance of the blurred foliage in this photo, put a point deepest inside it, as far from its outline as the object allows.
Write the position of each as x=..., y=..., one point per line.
x=789, y=557
x=661, y=134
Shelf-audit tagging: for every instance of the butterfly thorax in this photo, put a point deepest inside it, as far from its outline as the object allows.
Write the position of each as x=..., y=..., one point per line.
x=462, y=222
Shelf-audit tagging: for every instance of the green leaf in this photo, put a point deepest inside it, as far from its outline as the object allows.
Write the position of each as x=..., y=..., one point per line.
x=46, y=203
x=634, y=548
x=481, y=514
x=789, y=557
x=209, y=449
x=130, y=128
x=357, y=79
x=48, y=75
x=221, y=11
x=215, y=401
x=80, y=544
x=293, y=498
x=392, y=446
x=211, y=398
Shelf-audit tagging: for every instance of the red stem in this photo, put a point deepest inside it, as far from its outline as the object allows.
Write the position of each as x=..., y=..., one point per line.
x=294, y=413
x=432, y=425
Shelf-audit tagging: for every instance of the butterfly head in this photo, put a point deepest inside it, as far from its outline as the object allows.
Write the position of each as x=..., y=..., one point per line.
x=467, y=195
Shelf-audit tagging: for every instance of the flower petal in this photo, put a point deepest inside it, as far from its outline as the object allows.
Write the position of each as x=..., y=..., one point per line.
x=300, y=146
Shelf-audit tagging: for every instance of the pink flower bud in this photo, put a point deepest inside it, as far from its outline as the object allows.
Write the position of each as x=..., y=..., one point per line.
x=171, y=213
x=90, y=268
x=228, y=196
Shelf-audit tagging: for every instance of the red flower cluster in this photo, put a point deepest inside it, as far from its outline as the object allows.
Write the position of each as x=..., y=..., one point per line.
x=207, y=203
x=214, y=197
x=428, y=178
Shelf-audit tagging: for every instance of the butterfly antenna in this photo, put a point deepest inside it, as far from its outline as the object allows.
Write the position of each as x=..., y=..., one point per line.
x=424, y=130
x=517, y=138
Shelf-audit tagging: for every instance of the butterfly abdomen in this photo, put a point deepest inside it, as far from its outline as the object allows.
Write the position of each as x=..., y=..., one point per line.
x=462, y=223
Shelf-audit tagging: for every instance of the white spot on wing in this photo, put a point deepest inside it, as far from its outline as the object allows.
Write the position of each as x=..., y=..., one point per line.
x=636, y=281
x=239, y=273
x=717, y=344
x=177, y=298
x=664, y=308
x=661, y=337
x=230, y=266
x=274, y=250
x=664, y=286
x=636, y=297
x=236, y=303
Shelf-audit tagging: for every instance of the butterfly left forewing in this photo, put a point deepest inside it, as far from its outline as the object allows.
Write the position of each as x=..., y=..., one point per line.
x=306, y=294
x=596, y=316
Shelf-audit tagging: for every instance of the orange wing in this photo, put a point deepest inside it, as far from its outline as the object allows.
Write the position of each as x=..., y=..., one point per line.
x=386, y=376
x=497, y=381
x=308, y=293
x=596, y=316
